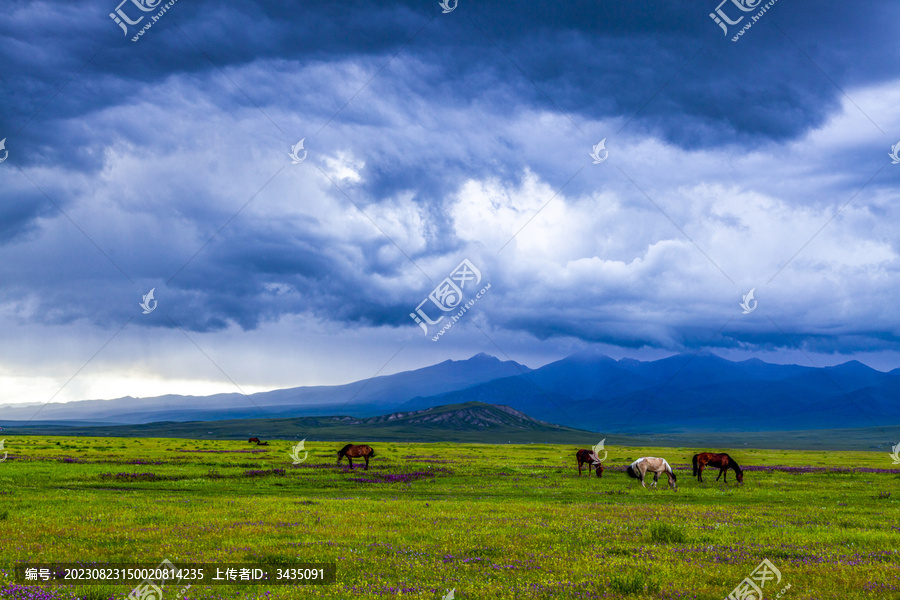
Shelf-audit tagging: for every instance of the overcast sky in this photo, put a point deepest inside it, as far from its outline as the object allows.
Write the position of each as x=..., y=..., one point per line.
x=430, y=138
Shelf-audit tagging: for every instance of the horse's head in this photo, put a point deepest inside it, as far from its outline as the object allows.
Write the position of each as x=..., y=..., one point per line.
x=343, y=451
x=673, y=482
x=740, y=475
x=597, y=464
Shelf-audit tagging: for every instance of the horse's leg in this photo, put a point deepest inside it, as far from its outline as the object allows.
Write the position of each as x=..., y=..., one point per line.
x=655, y=478
x=350, y=460
x=720, y=474
x=367, y=462
x=725, y=470
x=700, y=472
x=579, y=468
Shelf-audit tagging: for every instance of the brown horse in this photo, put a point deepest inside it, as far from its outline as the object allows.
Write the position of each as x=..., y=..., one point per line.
x=251, y=440
x=722, y=461
x=351, y=451
x=588, y=457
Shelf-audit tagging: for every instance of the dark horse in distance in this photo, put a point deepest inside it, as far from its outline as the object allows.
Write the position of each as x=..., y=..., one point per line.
x=587, y=456
x=721, y=461
x=351, y=451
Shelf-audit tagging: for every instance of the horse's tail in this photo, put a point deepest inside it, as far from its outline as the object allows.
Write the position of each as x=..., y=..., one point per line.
x=694, y=460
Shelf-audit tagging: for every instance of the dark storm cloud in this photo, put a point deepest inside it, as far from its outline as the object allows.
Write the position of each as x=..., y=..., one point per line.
x=66, y=61
x=154, y=147
x=590, y=60
x=257, y=275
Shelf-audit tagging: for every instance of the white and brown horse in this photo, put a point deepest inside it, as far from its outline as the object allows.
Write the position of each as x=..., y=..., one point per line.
x=639, y=469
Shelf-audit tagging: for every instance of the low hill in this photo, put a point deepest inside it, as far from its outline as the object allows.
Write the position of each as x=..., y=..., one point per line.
x=467, y=422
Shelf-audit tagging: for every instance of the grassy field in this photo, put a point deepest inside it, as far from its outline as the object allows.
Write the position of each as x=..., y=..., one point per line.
x=490, y=521
x=455, y=426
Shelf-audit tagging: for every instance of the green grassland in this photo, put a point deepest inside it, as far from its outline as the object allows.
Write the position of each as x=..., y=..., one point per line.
x=527, y=431
x=491, y=521
x=468, y=422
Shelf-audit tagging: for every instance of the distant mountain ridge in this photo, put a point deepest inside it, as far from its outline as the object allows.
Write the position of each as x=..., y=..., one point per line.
x=366, y=397
x=702, y=392
x=587, y=390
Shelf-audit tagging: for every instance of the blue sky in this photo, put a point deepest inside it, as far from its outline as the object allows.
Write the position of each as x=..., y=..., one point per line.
x=433, y=138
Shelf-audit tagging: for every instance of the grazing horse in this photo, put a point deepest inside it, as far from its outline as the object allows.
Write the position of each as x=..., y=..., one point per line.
x=251, y=440
x=722, y=461
x=588, y=457
x=351, y=451
x=638, y=469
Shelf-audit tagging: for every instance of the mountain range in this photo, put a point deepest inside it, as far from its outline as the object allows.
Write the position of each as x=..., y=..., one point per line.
x=587, y=391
